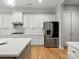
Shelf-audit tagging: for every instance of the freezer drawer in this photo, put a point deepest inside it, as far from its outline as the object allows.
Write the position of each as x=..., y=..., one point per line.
x=51, y=42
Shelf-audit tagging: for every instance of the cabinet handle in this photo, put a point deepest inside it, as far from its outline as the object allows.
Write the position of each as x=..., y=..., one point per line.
x=74, y=51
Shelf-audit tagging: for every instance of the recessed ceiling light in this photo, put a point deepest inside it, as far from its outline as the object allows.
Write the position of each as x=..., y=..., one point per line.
x=40, y=1
x=11, y=3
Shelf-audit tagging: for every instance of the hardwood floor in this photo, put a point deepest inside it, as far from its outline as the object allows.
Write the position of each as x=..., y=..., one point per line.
x=48, y=53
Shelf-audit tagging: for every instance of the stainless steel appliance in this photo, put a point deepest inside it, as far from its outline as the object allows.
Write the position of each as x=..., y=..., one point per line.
x=51, y=34
x=18, y=27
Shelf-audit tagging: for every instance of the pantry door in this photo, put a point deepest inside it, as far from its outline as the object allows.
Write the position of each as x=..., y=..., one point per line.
x=66, y=27
x=75, y=26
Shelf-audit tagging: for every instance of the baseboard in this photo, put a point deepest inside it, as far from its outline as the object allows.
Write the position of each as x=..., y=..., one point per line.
x=38, y=45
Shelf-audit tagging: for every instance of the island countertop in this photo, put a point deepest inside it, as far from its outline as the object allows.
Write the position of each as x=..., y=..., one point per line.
x=74, y=44
x=13, y=47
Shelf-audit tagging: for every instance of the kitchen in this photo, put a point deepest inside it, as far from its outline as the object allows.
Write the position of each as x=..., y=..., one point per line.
x=24, y=19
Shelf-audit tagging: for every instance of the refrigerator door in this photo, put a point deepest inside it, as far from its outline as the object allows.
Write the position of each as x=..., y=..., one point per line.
x=48, y=28
x=51, y=42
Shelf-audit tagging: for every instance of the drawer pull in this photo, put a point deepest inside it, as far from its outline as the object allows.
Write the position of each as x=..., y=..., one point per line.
x=74, y=51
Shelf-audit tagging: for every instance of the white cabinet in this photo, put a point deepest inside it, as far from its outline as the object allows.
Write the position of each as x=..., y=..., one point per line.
x=0, y=21
x=31, y=21
x=36, y=35
x=73, y=53
x=72, y=56
x=25, y=21
x=5, y=20
x=37, y=39
x=36, y=20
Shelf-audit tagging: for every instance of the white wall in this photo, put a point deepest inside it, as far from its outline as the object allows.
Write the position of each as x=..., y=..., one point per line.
x=72, y=8
x=59, y=13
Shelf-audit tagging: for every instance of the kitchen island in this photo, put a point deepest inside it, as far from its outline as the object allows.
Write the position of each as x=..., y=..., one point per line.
x=16, y=48
x=37, y=38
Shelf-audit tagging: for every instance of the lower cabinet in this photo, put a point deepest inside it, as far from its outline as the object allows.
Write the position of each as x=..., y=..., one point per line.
x=37, y=39
x=26, y=54
x=73, y=53
x=72, y=57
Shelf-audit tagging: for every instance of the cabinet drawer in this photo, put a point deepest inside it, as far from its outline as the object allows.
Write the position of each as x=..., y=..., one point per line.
x=73, y=51
x=72, y=57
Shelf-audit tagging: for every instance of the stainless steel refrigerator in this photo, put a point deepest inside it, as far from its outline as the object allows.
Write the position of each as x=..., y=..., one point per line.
x=51, y=34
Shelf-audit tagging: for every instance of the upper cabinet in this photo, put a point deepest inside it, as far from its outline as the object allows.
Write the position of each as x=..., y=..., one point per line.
x=5, y=20
x=36, y=20
x=0, y=21
x=29, y=20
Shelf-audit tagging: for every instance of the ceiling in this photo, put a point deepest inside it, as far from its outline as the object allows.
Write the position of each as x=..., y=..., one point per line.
x=46, y=5
x=72, y=2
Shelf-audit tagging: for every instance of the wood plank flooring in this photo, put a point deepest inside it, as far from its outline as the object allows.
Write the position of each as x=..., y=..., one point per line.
x=48, y=53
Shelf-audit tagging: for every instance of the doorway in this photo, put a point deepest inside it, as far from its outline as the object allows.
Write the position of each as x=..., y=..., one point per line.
x=70, y=27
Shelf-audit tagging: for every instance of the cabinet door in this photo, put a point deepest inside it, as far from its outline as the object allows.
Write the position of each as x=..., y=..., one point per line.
x=36, y=20
x=25, y=21
x=0, y=21
x=72, y=57
x=7, y=20
x=66, y=27
x=32, y=21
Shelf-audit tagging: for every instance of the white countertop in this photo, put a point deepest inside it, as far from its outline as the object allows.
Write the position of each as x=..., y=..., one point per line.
x=14, y=47
x=74, y=44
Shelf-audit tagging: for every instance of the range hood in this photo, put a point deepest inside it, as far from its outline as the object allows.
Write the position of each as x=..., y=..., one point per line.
x=17, y=23
x=17, y=18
